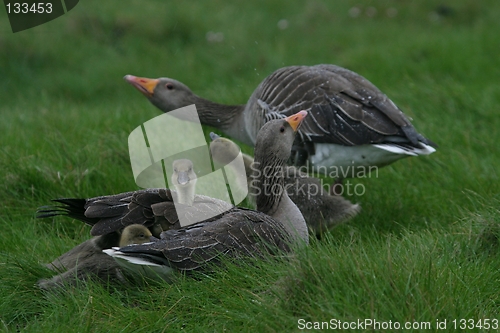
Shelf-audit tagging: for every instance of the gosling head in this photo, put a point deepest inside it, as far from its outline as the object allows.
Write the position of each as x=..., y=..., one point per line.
x=184, y=180
x=135, y=234
x=223, y=150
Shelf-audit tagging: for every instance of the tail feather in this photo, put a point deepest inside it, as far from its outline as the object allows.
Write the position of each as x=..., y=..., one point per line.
x=407, y=149
x=74, y=208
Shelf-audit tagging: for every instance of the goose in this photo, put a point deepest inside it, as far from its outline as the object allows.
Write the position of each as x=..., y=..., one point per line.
x=352, y=127
x=321, y=210
x=276, y=226
x=87, y=260
x=154, y=208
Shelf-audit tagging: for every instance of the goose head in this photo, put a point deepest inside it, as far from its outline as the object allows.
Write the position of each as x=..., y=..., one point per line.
x=135, y=234
x=282, y=131
x=164, y=93
x=184, y=180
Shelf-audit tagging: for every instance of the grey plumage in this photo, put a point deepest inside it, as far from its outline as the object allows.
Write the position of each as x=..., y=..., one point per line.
x=87, y=261
x=153, y=208
x=157, y=209
x=239, y=233
x=321, y=210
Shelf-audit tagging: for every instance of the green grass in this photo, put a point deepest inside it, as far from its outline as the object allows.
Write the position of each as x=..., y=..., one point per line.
x=426, y=245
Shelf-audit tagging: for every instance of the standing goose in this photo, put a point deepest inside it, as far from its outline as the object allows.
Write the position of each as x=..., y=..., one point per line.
x=87, y=260
x=277, y=225
x=321, y=210
x=351, y=126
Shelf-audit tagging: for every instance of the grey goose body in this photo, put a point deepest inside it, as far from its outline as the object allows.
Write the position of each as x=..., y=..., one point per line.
x=153, y=208
x=351, y=123
x=157, y=209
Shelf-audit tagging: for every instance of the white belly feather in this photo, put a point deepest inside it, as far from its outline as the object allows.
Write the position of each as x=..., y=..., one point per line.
x=339, y=161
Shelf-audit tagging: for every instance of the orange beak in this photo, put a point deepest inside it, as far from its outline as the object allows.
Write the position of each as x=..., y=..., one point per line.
x=296, y=119
x=144, y=85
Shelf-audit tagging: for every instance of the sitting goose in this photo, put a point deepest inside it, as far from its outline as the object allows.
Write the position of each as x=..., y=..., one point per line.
x=321, y=210
x=154, y=208
x=352, y=125
x=277, y=225
x=87, y=260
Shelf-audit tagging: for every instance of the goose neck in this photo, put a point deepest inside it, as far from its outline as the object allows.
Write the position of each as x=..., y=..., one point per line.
x=186, y=194
x=217, y=115
x=272, y=199
x=268, y=184
x=227, y=118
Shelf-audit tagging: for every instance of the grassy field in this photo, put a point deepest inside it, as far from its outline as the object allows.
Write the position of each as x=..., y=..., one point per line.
x=426, y=246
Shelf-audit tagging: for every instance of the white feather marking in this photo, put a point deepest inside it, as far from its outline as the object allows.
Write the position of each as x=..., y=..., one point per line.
x=412, y=151
x=338, y=159
x=140, y=266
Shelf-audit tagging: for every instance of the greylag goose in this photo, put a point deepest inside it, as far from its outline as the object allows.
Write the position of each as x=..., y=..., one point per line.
x=352, y=126
x=87, y=260
x=157, y=209
x=276, y=225
x=321, y=210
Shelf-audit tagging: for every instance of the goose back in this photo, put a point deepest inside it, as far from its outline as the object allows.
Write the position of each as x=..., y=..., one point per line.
x=344, y=108
x=239, y=233
x=153, y=208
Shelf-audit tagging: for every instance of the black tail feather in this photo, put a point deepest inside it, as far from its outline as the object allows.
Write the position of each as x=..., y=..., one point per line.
x=74, y=208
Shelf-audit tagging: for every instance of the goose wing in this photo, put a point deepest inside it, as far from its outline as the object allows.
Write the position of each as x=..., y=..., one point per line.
x=107, y=214
x=239, y=232
x=153, y=208
x=344, y=108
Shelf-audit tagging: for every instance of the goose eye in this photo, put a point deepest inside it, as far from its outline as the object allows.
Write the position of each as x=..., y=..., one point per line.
x=282, y=129
x=169, y=86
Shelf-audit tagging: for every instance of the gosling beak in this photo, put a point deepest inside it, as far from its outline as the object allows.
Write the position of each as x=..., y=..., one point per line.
x=213, y=136
x=182, y=178
x=144, y=85
x=296, y=119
